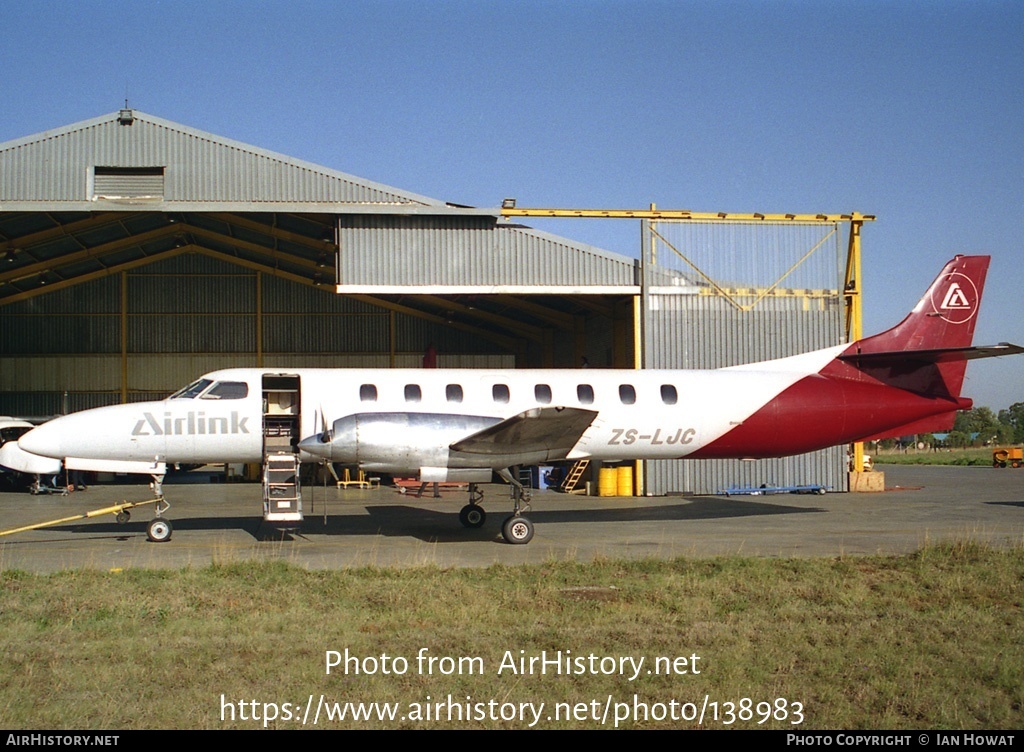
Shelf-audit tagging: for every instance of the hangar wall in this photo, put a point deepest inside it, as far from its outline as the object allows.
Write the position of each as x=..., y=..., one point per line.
x=191, y=314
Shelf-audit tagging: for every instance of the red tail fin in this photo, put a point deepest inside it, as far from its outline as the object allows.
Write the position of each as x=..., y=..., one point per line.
x=941, y=322
x=944, y=317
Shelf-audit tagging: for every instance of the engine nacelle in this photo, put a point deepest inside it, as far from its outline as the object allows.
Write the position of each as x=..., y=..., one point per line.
x=408, y=441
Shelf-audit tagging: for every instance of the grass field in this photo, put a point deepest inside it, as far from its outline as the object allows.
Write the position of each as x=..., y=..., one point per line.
x=928, y=641
x=981, y=457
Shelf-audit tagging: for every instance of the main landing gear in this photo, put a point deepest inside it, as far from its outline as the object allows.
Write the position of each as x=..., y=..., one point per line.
x=516, y=529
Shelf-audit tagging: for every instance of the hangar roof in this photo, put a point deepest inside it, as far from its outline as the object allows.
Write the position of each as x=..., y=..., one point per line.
x=127, y=189
x=129, y=160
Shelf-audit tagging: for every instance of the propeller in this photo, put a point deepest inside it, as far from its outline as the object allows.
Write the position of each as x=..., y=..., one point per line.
x=325, y=432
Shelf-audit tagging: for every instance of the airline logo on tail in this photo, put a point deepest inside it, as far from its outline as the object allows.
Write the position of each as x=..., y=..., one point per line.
x=959, y=299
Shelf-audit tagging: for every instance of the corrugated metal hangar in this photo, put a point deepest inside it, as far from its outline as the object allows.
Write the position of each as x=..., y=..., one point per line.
x=138, y=253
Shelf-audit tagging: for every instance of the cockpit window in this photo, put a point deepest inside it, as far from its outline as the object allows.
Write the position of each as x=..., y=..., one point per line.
x=191, y=390
x=16, y=432
x=228, y=390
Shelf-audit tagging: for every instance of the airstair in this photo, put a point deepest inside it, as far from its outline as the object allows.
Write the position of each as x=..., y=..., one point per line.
x=282, y=494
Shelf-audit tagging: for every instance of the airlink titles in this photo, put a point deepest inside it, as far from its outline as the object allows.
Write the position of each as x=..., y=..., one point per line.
x=189, y=424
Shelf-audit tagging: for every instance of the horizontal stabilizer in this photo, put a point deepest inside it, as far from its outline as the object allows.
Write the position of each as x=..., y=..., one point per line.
x=937, y=355
x=551, y=430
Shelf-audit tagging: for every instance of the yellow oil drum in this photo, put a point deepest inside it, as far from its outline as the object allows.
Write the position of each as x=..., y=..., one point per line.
x=624, y=478
x=607, y=481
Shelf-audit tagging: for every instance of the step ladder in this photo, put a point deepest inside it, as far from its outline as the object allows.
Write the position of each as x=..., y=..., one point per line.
x=282, y=494
x=568, y=484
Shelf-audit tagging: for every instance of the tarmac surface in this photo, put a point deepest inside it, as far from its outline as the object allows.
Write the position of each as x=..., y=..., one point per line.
x=222, y=523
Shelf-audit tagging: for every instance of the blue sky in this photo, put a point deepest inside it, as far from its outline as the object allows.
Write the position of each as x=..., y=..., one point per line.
x=913, y=111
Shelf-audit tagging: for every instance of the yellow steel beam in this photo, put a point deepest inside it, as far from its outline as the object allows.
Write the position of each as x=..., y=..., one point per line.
x=854, y=314
x=684, y=214
x=42, y=236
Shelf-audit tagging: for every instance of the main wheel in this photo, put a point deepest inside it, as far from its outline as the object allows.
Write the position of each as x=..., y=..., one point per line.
x=158, y=530
x=472, y=515
x=517, y=530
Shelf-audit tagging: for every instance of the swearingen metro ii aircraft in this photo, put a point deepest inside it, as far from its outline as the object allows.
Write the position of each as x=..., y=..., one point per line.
x=460, y=425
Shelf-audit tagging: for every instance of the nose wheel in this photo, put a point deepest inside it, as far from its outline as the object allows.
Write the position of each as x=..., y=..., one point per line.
x=158, y=530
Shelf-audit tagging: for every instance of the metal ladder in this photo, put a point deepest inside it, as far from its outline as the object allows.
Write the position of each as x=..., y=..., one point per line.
x=568, y=484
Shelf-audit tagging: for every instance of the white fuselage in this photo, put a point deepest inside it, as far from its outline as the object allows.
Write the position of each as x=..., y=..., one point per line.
x=640, y=414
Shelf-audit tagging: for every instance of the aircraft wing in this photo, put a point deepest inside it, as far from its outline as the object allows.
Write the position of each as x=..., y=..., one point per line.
x=545, y=431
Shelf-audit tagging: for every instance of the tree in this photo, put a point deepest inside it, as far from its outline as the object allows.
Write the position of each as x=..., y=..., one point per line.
x=1013, y=418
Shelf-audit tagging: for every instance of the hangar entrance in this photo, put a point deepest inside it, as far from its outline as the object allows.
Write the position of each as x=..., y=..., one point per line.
x=138, y=253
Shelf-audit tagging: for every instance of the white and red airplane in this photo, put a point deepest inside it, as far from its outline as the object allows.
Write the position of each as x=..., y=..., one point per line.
x=462, y=425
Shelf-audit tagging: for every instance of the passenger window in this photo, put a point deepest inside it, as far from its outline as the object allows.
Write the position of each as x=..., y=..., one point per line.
x=499, y=393
x=627, y=394
x=542, y=393
x=228, y=390
x=368, y=393
x=453, y=393
x=669, y=395
x=413, y=393
x=585, y=394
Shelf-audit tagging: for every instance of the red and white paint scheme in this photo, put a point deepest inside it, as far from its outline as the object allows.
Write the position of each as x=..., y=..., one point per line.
x=460, y=425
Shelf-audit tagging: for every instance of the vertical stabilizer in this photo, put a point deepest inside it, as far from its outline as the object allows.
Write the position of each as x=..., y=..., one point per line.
x=943, y=320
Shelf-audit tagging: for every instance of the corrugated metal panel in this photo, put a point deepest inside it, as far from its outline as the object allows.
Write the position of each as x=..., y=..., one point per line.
x=48, y=404
x=191, y=333
x=283, y=296
x=165, y=374
x=392, y=251
x=65, y=333
x=318, y=333
x=58, y=166
x=414, y=334
x=98, y=296
x=82, y=373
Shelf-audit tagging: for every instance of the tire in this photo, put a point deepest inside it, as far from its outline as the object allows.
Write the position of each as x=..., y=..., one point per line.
x=159, y=530
x=472, y=516
x=123, y=516
x=517, y=530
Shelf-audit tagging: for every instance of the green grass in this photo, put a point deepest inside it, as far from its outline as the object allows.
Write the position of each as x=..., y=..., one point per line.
x=924, y=641
x=973, y=457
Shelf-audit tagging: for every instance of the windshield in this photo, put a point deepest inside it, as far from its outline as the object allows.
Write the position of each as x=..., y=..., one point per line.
x=7, y=434
x=228, y=390
x=191, y=390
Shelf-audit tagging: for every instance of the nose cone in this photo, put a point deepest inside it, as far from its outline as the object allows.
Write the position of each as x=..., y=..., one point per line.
x=316, y=446
x=113, y=432
x=45, y=440
x=338, y=445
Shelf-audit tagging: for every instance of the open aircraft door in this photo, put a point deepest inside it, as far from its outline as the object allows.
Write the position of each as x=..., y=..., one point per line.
x=282, y=494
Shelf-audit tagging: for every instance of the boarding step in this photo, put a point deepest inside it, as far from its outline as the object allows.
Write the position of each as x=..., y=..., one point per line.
x=282, y=493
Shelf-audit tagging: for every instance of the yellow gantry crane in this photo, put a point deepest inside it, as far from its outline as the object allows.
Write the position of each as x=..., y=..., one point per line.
x=852, y=276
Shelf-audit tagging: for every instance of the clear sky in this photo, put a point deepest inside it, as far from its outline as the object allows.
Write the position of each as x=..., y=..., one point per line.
x=913, y=111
